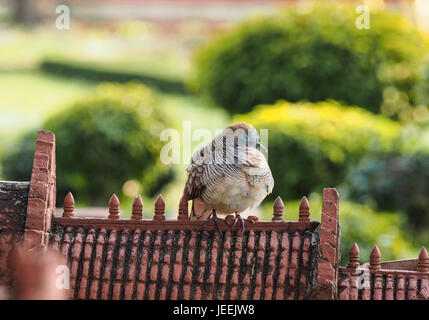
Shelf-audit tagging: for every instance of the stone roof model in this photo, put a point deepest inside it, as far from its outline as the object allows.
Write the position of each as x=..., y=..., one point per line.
x=159, y=258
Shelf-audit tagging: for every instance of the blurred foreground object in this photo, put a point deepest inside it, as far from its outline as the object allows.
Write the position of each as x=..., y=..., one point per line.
x=38, y=275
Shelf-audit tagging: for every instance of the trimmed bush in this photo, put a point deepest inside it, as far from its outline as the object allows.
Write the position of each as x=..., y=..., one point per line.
x=312, y=145
x=103, y=140
x=313, y=55
x=394, y=182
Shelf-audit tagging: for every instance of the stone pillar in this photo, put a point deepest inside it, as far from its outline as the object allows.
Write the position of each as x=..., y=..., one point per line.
x=42, y=194
x=329, y=240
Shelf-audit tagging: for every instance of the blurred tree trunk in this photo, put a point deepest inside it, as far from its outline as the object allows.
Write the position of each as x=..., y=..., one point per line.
x=24, y=11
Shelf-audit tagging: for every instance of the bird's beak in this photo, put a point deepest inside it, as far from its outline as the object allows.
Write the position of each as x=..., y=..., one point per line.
x=259, y=146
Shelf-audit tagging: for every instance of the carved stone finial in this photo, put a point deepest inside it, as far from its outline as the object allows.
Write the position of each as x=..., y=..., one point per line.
x=278, y=209
x=137, y=211
x=183, y=209
x=375, y=259
x=114, y=207
x=304, y=210
x=68, y=206
x=423, y=262
x=354, y=256
x=159, y=209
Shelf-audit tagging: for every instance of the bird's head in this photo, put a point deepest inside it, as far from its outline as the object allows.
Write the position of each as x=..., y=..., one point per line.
x=243, y=135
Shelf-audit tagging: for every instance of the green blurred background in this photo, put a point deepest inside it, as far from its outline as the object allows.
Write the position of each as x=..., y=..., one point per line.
x=345, y=107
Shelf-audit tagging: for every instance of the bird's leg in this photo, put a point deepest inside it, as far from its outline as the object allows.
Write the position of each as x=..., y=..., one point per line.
x=213, y=217
x=240, y=218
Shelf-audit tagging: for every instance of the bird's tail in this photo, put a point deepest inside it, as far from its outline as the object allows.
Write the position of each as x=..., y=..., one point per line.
x=199, y=210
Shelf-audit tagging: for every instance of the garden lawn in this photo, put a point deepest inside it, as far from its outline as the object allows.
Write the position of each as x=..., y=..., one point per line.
x=28, y=97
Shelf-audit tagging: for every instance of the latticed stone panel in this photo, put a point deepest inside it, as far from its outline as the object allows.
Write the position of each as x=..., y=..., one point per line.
x=116, y=263
x=117, y=258
x=389, y=280
x=13, y=207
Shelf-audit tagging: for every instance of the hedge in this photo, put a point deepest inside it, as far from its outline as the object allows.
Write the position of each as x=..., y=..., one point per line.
x=313, y=55
x=102, y=141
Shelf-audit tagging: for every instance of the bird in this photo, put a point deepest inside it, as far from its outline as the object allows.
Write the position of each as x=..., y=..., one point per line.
x=228, y=175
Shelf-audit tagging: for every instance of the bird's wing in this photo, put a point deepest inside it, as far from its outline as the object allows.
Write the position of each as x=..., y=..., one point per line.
x=194, y=188
x=194, y=184
x=199, y=176
x=205, y=176
x=256, y=168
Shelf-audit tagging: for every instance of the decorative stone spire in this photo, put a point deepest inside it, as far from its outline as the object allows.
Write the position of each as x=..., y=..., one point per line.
x=375, y=259
x=278, y=210
x=114, y=207
x=159, y=209
x=423, y=262
x=68, y=206
x=137, y=211
x=304, y=210
x=183, y=209
x=354, y=256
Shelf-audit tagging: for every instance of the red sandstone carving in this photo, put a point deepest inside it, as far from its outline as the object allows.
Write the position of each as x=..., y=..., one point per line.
x=183, y=209
x=278, y=210
x=329, y=238
x=13, y=206
x=68, y=206
x=114, y=207
x=137, y=212
x=304, y=210
x=424, y=292
x=354, y=256
x=41, y=198
x=159, y=209
x=323, y=291
x=374, y=259
x=423, y=263
x=388, y=283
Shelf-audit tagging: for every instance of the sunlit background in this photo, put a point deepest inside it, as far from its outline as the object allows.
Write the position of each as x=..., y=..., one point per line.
x=345, y=107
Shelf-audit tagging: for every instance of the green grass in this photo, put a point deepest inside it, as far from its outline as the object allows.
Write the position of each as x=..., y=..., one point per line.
x=127, y=46
x=169, y=65
x=28, y=97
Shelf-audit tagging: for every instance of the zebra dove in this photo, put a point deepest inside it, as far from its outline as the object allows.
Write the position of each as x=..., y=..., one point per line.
x=228, y=175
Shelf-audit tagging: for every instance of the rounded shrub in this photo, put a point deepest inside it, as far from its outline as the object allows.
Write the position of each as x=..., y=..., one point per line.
x=102, y=141
x=312, y=145
x=313, y=55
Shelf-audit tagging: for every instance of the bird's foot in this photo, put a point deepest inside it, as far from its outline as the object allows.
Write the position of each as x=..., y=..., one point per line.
x=213, y=217
x=240, y=219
